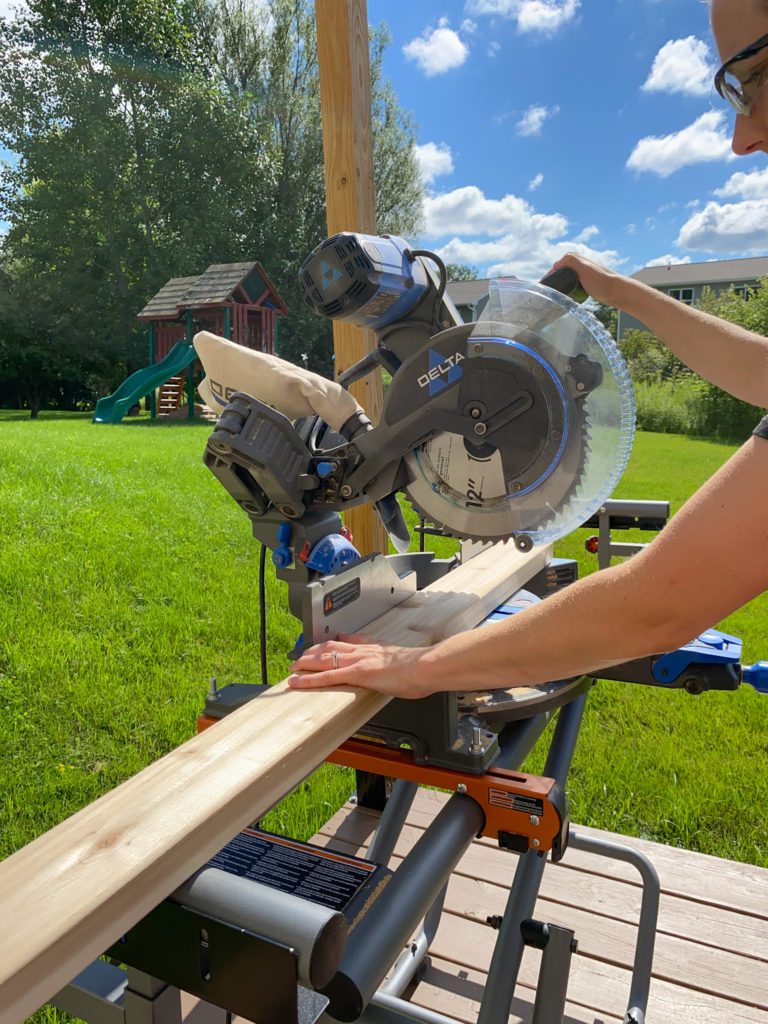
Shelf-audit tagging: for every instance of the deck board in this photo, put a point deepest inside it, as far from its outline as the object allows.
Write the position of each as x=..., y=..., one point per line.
x=711, y=962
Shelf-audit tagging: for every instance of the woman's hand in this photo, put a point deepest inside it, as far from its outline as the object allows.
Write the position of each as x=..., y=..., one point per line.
x=356, y=661
x=602, y=284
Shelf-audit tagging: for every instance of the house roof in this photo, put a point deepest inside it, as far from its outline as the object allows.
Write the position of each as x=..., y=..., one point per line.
x=467, y=293
x=714, y=272
x=214, y=287
x=166, y=303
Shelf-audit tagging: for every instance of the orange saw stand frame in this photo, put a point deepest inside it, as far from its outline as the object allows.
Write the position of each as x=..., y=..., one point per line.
x=522, y=812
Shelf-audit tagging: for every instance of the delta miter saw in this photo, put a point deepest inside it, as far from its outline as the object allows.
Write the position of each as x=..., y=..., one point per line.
x=514, y=428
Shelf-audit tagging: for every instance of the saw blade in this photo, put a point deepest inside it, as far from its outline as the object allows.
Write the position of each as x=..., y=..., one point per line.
x=554, y=423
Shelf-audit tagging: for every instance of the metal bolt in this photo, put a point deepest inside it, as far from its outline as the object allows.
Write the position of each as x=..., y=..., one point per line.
x=535, y=820
x=535, y=844
x=288, y=512
x=477, y=348
x=475, y=413
x=461, y=788
x=213, y=689
x=476, y=746
x=556, y=435
x=346, y=491
x=580, y=386
x=516, y=487
x=480, y=428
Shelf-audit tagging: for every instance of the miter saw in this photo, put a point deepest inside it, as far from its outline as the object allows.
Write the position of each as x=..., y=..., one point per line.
x=513, y=428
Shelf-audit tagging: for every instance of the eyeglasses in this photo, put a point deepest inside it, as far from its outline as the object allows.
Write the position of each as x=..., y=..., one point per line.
x=742, y=94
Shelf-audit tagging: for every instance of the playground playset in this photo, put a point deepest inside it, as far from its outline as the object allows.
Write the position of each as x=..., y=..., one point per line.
x=235, y=300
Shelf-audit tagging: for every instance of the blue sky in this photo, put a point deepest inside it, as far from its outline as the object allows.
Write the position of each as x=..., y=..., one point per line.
x=545, y=125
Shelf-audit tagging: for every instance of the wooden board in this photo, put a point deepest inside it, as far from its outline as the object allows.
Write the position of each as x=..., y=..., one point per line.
x=350, y=195
x=75, y=890
x=711, y=961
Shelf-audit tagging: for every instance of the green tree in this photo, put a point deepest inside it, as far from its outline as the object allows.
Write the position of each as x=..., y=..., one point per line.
x=131, y=168
x=460, y=272
x=607, y=315
x=155, y=137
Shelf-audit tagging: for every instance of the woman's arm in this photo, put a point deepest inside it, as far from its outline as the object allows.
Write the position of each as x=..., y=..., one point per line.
x=711, y=559
x=729, y=356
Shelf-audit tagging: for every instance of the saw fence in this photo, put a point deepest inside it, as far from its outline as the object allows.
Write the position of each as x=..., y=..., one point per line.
x=75, y=890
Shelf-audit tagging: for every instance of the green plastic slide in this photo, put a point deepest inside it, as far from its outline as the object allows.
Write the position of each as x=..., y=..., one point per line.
x=112, y=408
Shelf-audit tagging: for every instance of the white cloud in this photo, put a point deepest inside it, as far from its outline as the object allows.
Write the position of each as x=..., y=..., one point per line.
x=705, y=140
x=504, y=236
x=493, y=48
x=745, y=185
x=469, y=26
x=682, y=65
x=727, y=228
x=433, y=159
x=533, y=119
x=668, y=261
x=586, y=234
x=536, y=182
x=437, y=50
x=545, y=16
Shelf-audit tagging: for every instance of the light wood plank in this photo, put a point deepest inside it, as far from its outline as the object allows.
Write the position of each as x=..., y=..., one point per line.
x=345, y=100
x=594, y=984
x=457, y=992
x=74, y=891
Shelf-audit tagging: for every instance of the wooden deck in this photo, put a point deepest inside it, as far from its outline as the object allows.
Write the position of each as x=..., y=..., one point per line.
x=711, y=962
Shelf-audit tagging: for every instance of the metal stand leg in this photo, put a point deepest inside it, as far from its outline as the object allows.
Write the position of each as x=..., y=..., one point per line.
x=391, y=822
x=557, y=946
x=649, y=913
x=508, y=952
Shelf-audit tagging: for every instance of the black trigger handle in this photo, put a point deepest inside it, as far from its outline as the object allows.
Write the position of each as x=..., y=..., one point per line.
x=567, y=281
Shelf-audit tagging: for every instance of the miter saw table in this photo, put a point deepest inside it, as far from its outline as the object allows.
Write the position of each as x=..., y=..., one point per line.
x=516, y=428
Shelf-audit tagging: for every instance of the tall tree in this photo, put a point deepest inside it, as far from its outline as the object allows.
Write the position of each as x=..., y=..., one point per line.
x=155, y=137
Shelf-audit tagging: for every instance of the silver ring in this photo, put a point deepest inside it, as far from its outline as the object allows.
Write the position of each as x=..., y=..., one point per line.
x=335, y=659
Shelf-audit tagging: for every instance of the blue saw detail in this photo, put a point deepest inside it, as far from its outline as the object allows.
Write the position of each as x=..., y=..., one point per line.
x=330, y=275
x=444, y=380
x=711, y=648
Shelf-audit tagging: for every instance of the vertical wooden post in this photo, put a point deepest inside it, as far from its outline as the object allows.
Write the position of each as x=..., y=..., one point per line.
x=227, y=322
x=345, y=98
x=152, y=351
x=190, y=369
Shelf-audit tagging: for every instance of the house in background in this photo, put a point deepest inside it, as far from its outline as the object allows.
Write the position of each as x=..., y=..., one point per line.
x=686, y=281
x=469, y=297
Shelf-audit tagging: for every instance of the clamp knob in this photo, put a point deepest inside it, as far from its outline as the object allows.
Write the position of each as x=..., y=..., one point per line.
x=757, y=676
x=282, y=556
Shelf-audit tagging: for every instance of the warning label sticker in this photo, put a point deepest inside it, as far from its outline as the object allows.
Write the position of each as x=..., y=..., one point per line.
x=341, y=597
x=516, y=802
x=318, y=875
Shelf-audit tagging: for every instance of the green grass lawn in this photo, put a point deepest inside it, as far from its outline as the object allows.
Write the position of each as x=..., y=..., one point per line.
x=128, y=579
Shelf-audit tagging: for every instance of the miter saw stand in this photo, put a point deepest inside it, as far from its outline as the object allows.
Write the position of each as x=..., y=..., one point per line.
x=281, y=932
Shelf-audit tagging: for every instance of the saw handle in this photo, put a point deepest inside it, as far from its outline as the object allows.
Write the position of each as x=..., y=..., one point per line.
x=566, y=281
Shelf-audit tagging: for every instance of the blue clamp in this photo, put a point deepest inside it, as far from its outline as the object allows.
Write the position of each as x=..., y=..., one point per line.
x=332, y=553
x=711, y=648
x=282, y=556
x=324, y=469
x=757, y=676
x=523, y=599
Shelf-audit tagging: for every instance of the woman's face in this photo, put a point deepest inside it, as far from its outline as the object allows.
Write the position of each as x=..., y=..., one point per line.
x=736, y=24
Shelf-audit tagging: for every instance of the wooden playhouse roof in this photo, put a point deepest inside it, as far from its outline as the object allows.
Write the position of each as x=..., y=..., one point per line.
x=214, y=287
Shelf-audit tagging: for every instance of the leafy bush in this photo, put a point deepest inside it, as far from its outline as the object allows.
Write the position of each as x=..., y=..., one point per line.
x=671, y=399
